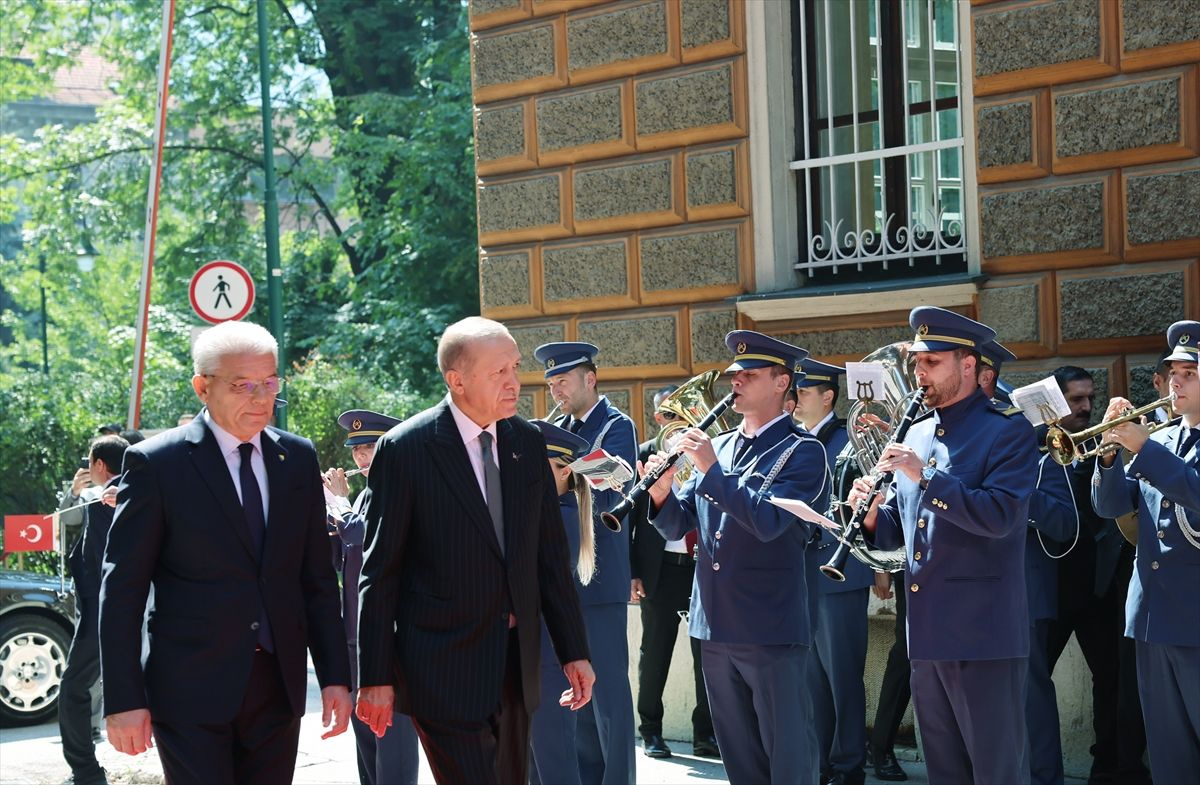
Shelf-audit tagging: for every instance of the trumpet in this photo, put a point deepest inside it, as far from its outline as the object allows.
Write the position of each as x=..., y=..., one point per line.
x=1066, y=447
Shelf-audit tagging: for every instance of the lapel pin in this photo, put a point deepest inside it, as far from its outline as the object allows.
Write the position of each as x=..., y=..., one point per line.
x=281, y=456
x=516, y=456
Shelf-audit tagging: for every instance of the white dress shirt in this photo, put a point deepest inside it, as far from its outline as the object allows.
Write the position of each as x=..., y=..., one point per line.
x=470, y=430
x=228, y=444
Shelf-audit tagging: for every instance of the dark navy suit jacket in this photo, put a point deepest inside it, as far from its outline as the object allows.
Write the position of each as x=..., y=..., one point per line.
x=611, y=582
x=436, y=590
x=179, y=527
x=750, y=582
x=1165, y=487
x=964, y=535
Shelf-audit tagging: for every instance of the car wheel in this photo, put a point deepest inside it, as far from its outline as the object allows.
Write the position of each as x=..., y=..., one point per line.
x=33, y=656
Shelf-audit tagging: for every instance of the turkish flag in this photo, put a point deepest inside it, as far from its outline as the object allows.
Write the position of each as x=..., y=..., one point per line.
x=30, y=533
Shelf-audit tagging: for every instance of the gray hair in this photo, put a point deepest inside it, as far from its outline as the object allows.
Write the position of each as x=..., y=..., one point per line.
x=459, y=336
x=229, y=338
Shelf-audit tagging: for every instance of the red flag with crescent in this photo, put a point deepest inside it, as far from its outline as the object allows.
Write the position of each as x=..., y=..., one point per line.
x=30, y=533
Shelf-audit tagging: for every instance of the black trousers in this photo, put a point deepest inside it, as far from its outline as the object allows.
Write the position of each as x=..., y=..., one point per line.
x=660, y=627
x=491, y=751
x=257, y=747
x=75, y=697
x=1099, y=627
x=895, y=691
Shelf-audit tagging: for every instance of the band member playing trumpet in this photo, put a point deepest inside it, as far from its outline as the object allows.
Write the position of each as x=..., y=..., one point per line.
x=604, y=730
x=749, y=603
x=391, y=758
x=1163, y=481
x=963, y=477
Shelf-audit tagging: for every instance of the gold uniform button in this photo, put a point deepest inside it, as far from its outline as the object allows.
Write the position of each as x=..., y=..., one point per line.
x=914, y=588
x=718, y=535
x=921, y=523
x=1166, y=504
x=1161, y=534
x=716, y=565
x=1154, y=565
x=917, y=556
x=933, y=461
x=941, y=431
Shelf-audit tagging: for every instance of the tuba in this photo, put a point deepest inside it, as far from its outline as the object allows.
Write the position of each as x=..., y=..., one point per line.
x=690, y=404
x=867, y=443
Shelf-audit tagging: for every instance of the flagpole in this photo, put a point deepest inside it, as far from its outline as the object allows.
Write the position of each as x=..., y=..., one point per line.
x=153, y=191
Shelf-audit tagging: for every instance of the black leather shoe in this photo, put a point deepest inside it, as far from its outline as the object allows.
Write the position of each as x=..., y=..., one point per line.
x=706, y=747
x=655, y=747
x=888, y=769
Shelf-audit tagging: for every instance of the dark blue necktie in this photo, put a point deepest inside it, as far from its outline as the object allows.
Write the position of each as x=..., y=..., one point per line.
x=1187, y=439
x=742, y=447
x=576, y=426
x=256, y=524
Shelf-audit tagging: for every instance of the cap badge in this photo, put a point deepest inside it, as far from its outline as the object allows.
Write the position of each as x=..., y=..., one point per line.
x=923, y=329
x=356, y=425
x=798, y=369
x=1185, y=339
x=551, y=362
x=741, y=347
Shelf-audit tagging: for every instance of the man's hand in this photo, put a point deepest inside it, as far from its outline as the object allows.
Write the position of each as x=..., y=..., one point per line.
x=637, y=590
x=662, y=488
x=581, y=677
x=375, y=707
x=109, y=496
x=81, y=480
x=335, y=480
x=883, y=586
x=1130, y=435
x=129, y=731
x=903, y=459
x=697, y=446
x=860, y=490
x=335, y=708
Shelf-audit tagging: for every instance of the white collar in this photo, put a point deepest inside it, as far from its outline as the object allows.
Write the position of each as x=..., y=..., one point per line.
x=768, y=424
x=226, y=440
x=588, y=413
x=468, y=428
x=817, y=428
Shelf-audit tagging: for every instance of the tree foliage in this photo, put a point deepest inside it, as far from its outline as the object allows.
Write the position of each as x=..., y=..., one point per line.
x=372, y=117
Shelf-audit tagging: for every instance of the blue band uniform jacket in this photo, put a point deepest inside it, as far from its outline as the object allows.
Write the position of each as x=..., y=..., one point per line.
x=965, y=533
x=750, y=585
x=1166, y=573
x=858, y=575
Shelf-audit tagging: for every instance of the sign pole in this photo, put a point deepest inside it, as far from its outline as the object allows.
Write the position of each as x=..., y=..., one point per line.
x=270, y=205
x=155, y=187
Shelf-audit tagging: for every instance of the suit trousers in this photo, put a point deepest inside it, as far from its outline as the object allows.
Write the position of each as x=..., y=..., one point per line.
x=660, y=628
x=1044, y=750
x=1169, y=682
x=1117, y=722
x=758, y=698
x=604, y=727
x=75, y=695
x=490, y=751
x=972, y=719
x=257, y=746
x=895, y=691
x=835, y=679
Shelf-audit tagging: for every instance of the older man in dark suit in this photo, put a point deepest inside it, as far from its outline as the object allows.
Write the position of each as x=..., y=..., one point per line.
x=465, y=553
x=225, y=518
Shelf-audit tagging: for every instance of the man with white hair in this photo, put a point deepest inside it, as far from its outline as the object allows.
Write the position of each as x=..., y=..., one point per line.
x=225, y=518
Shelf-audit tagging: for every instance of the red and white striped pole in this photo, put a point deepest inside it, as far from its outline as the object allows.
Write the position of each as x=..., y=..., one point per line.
x=155, y=187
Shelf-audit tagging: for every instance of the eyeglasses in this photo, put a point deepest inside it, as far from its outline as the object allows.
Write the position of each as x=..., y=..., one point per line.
x=668, y=415
x=267, y=386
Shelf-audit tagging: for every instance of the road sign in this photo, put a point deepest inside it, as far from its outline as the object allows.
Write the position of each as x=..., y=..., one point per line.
x=221, y=291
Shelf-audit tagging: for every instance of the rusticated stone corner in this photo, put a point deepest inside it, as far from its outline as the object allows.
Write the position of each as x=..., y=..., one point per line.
x=1031, y=36
x=582, y=271
x=711, y=178
x=519, y=205
x=504, y=280
x=687, y=261
x=703, y=22
x=500, y=133
x=1163, y=207
x=1117, y=118
x=694, y=100
x=514, y=57
x=1151, y=23
x=576, y=119
x=642, y=187
x=1120, y=306
x=709, y=329
x=649, y=340
x=530, y=337
x=1012, y=311
x=1005, y=134
x=626, y=34
x=1043, y=220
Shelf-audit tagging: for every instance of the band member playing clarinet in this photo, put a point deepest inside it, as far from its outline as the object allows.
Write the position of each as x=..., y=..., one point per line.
x=963, y=477
x=1163, y=480
x=749, y=599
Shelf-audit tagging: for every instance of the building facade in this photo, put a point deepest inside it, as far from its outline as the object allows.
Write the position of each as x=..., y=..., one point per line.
x=655, y=173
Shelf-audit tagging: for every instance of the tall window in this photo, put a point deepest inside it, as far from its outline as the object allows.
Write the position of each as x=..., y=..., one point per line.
x=878, y=138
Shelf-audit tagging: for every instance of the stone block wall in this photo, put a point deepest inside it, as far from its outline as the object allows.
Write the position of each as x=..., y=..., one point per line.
x=613, y=198
x=1087, y=123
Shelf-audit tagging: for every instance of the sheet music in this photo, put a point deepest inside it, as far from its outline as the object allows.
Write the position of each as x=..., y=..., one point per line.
x=603, y=471
x=1041, y=402
x=865, y=380
x=804, y=512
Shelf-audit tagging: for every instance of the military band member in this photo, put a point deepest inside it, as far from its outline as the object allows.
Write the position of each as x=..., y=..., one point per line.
x=391, y=759
x=963, y=477
x=839, y=656
x=1163, y=481
x=1053, y=524
x=604, y=731
x=552, y=727
x=749, y=606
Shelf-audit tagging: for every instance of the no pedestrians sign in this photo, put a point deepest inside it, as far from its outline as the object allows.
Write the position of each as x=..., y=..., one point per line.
x=221, y=291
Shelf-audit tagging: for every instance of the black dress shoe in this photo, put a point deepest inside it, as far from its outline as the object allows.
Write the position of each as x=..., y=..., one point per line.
x=888, y=769
x=706, y=747
x=655, y=747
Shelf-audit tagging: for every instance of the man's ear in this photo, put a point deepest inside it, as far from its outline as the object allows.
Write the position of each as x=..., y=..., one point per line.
x=827, y=397
x=454, y=381
x=589, y=380
x=200, y=386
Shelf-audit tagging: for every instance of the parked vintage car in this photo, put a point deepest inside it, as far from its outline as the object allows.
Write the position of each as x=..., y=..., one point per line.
x=37, y=621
